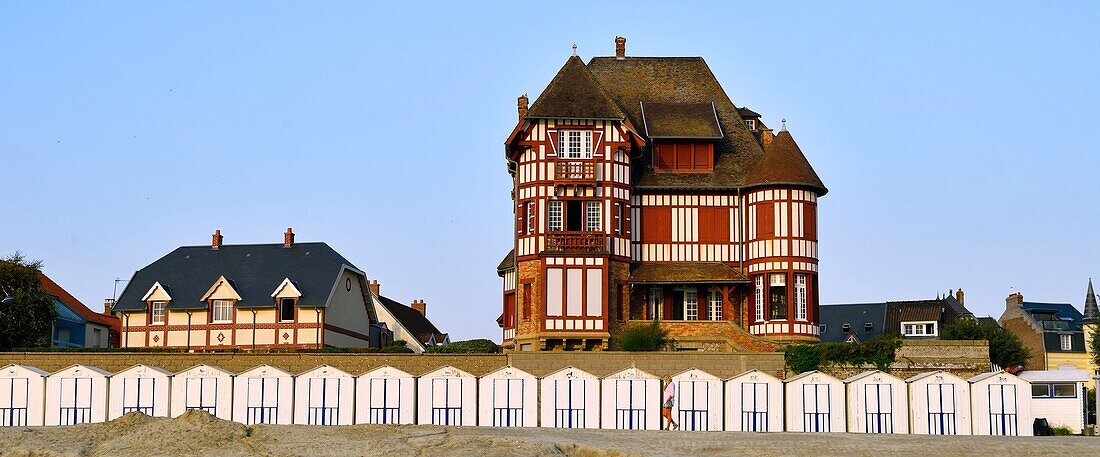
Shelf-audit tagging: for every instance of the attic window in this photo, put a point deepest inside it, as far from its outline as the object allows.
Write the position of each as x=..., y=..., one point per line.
x=822, y=328
x=158, y=312
x=286, y=309
x=751, y=124
x=575, y=144
x=683, y=156
x=846, y=328
x=868, y=327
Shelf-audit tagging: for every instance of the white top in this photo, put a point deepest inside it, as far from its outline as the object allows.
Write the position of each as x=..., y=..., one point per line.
x=670, y=391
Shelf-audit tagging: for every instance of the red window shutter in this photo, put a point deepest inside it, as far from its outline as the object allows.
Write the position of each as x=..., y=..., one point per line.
x=714, y=225
x=683, y=157
x=704, y=152
x=765, y=221
x=810, y=224
x=656, y=224
x=521, y=216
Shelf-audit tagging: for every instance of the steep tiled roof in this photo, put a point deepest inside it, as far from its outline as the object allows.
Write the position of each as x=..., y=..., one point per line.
x=413, y=321
x=745, y=112
x=48, y=286
x=574, y=93
x=680, y=80
x=681, y=120
x=685, y=272
x=784, y=163
x=507, y=263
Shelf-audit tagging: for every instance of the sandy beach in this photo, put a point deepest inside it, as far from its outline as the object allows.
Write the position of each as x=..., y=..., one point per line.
x=197, y=433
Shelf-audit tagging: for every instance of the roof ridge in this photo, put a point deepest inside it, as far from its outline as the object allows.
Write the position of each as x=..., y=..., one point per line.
x=574, y=93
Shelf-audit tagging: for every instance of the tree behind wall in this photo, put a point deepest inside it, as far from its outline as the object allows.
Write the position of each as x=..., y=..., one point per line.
x=26, y=314
x=1005, y=349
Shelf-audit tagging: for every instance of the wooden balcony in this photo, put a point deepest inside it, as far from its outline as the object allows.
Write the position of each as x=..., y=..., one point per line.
x=576, y=242
x=575, y=171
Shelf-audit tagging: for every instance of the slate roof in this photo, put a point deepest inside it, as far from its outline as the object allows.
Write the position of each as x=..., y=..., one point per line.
x=685, y=272
x=681, y=120
x=857, y=314
x=918, y=311
x=784, y=163
x=574, y=94
x=255, y=270
x=507, y=263
x=413, y=321
x=1064, y=311
x=1091, y=310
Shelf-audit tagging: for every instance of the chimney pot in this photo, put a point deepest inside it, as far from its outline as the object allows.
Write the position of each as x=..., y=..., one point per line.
x=374, y=287
x=959, y=296
x=108, y=305
x=420, y=307
x=620, y=48
x=521, y=106
x=288, y=238
x=216, y=242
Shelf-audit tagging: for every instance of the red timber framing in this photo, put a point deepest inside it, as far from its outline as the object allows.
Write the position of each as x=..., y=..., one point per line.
x=696, y=227
x=683, y=156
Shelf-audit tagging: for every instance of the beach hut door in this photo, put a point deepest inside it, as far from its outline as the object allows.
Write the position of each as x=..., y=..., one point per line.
x=630, y=404
x=941, y=409
x=137, y=395
x=693, y=398
x=201, y=394
x=879, y=408
x=569, y=396
x=324, y=401
x=754, y=407
x=446, y=401
x=385, y=401
x=263, y=401
x=815, y=408
x=508, y=402
x=1002, y=409
x=76, y=401
x=14, y=395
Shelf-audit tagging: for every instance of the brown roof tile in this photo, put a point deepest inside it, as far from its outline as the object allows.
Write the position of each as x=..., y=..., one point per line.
x=48, y=286
x=784, y=163
x=681, y=120
x=574, y=94
x=685, y=272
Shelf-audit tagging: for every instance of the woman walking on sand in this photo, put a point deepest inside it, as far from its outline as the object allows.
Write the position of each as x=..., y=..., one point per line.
x=668, y=400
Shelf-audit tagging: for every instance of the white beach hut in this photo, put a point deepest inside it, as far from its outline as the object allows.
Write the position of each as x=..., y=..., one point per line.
x=815, y=403
x=1059, y=396
x=205, y=388
x=447, y=396
x=698, y=405
x=22, y=390
x=324, y=396
x=508, y=397
x=76, y=395
x=631, y=401
x=140, y=388
x=939, y=404
x=754, y=403
x=570, y=399
x=263, y=395
x=1000, y=404
x=877, y=403
x=385, y=395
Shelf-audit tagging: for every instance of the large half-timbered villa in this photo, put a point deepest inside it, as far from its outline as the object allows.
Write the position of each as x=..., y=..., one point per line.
x=642, y=192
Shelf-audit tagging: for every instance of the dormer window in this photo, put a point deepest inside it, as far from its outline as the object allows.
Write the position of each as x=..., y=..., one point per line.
x=286, y=297
x=286, y=309
x=751, y=124
x=575, y=144
x=222, y=311
x=157, y=312
x=683, y=156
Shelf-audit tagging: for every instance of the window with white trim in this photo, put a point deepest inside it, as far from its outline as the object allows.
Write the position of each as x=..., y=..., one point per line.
x=656, y=302
x=800, y=297
x=715, y=311
x=592, y=217
x=751, y=124
x=1067, y=342
x=553, y=216
x=919, y=329
x=158, y=312
x=759, y=299
x=778, y=290
x=530, y=217
x=223, y=311
x=575, y=144
x=691, y=305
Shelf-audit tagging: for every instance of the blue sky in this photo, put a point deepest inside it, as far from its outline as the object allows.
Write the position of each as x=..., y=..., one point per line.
x=958, y=140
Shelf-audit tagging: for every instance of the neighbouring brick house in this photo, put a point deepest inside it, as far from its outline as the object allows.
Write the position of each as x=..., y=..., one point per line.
x=642, y=192
x=1054, y=333
x=408, y=323
x=249, y=296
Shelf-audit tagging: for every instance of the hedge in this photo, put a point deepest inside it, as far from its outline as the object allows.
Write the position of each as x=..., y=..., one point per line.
x=879, y=352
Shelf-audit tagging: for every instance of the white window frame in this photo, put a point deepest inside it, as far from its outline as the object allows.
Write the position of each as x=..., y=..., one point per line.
x=159, y=308
x=1066, y=341
x=592, y=220
x=554, y=219
x=715, y=311
x=691, y=304
x=575, y=144
x=800, y=297
x=919, y=328
x=655, y=300
x=750, y=123
x=221, y=306
x=760, y=298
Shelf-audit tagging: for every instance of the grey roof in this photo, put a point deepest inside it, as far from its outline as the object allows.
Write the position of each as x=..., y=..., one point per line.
x=254, y=269
x=1065, y=311
x=858, y=314
x=1091, y=311
x=416, y=323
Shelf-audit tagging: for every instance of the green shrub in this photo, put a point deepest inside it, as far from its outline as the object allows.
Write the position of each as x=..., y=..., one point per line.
x=645, y=338
x=1063, y=431
x=397, y=347
x=1005, y=349
x=879, y=352
x=479, y=346
x=802, y=357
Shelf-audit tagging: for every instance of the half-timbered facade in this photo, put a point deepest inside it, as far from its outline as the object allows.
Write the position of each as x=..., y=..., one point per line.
x=642, y=192
x=249, y=296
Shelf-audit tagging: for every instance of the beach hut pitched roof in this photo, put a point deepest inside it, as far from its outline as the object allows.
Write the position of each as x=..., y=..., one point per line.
x=869, y=373
x=147, y=367
x=264, y=369
x=631, y=373
x=203, y=365
x=752, y=371
x=509, y=372
x=387, y=371
x=812, y=373
x=331, y=370
x=697, y=373
x=984, y=376
x=565, y=372
x=29, y=368
x=92, y=369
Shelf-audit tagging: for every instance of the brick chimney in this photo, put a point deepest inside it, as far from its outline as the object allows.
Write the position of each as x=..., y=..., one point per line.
x=959, y=296
x=766, y=138
x=620, y=48
x=521, y=106
x=288, y=238
x=108, y=306
x=216, y=242
x=420, y=307
x=1015, y=300
x=374, y=288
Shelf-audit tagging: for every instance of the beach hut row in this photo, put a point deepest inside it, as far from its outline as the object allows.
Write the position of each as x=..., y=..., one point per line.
x=935, y=403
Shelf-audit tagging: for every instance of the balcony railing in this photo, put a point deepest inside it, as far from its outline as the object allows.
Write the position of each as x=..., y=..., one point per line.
x=576, y=242
x=575, y=172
